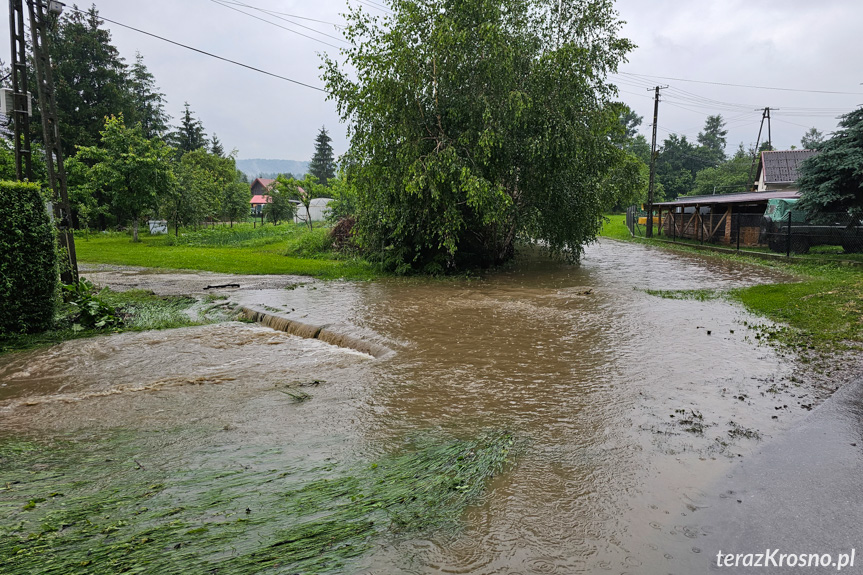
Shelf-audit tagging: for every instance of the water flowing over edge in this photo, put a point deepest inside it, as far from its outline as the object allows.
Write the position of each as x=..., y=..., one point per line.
x=311, y=331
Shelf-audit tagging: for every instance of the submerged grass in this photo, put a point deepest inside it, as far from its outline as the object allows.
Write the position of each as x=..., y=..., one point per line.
x=690, y=294
x=140, y=310
x=78, y=508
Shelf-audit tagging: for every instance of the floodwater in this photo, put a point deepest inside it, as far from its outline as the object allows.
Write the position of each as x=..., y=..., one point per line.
x=627, y=405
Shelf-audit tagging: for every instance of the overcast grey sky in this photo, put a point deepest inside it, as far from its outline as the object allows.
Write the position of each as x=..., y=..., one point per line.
x=794, y=44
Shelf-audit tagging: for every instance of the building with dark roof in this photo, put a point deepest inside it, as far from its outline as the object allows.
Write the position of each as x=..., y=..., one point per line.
x=778, y=170
x=262, y=186
x=734, y=218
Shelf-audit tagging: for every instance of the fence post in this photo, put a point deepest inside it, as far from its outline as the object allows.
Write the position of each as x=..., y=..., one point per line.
x=788, y=237
x=738, y=230
x=674, y=225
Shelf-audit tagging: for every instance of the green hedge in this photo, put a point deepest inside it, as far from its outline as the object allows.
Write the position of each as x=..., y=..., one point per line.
x=28, y=260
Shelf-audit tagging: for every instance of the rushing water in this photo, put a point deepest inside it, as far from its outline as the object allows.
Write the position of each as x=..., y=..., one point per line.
x=593, y=374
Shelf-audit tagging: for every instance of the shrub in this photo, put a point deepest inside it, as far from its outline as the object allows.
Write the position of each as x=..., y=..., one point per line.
x=315, y=243
x=28, y=260
x=342, y=234
x=91, y=311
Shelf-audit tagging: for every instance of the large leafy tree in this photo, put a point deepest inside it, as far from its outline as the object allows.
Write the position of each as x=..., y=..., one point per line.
x=727, y=177
x=629, y=121
x=279, y=206
x=811, y=139
x=202, y=178
x=302, y=191
x=473, y=122
x=323, y=163
x=678, y=162
x=135, y=172
x=235, y=201
x=832, y=180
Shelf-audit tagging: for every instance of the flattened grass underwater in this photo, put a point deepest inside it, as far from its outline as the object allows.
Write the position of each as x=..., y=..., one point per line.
x=95, y=509
x=140, y=309
x=821, y=310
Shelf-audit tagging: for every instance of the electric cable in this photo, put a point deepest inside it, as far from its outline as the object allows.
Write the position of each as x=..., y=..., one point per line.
x=204, y=52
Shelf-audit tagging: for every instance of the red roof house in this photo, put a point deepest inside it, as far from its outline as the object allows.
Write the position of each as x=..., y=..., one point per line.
x=262, y=186
x=260, y=189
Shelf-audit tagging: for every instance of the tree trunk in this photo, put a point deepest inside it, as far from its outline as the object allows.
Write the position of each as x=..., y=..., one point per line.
x=135, y=229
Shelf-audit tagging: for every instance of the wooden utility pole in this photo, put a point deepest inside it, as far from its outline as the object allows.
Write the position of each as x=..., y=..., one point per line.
x=649, y=232
x=39, y=15
x=764, y=116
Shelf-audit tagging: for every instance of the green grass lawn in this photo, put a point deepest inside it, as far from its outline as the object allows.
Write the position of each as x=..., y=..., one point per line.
x=824, y=307
x=284, y=249
x=615, y=227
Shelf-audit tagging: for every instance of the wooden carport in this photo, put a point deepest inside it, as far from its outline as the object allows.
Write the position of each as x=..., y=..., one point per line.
x=686, y=217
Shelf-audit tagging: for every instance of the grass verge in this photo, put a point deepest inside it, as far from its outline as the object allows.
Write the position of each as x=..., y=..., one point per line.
x=287, y=249
x=96, y=509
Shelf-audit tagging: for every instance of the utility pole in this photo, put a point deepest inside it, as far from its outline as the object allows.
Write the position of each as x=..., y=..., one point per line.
x=20, y=97
x=649, y=232
x=764, y=116
x=39, y=14
x=769, y=136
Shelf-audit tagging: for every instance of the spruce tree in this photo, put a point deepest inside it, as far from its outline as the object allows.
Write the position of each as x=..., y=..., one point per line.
x=216, y=147
x=148, y=102
x=323, y=164
x=189, y=135
x=91, y=80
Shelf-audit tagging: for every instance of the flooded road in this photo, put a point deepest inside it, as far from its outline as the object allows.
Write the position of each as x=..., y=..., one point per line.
x=626, y=404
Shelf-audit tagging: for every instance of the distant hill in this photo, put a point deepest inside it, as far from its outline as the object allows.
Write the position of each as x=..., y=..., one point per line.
x=257, y=167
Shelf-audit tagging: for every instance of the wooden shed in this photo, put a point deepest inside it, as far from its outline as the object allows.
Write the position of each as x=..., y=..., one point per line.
x=726, y=219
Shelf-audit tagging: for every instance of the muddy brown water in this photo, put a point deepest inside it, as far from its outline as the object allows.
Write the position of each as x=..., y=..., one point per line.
x=627, y=404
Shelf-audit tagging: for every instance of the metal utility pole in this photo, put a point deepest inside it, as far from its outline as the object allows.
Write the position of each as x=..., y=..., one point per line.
x=39, y=15
x=20, y=97
x=649, y=232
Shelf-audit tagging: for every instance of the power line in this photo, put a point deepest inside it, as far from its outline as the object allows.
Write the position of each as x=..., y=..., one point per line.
x=228, y=6
x=210, y=54
x=744, y=85
x=791, y=123
x=372, y=4
x=275, y=12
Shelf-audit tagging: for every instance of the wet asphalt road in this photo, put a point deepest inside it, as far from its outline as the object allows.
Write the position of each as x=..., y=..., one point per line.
x=801, y=493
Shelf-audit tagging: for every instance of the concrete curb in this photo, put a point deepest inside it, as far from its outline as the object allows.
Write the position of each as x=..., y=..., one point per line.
x=311, y=331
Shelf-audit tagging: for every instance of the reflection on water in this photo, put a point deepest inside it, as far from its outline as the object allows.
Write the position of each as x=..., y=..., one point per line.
x=624, y=400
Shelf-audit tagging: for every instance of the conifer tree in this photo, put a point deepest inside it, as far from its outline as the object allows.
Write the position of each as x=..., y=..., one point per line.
x=323, y=164
x=189, y=135
x=149, y=103
x=91, y=80
x=216, y=147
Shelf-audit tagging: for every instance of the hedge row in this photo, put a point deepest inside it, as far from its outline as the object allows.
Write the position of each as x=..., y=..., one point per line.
x=28, y=260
